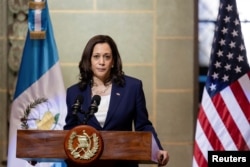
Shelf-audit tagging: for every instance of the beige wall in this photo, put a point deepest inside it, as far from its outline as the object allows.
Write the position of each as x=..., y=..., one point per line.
x=157, y=42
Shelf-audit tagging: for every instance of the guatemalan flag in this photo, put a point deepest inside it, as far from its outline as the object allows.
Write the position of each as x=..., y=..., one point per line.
x=39, y=99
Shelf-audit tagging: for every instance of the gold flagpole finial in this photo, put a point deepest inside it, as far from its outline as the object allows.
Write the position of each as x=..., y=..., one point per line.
x=36, y=5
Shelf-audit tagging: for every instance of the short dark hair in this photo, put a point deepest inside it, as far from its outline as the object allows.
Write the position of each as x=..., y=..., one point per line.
x=86, y=74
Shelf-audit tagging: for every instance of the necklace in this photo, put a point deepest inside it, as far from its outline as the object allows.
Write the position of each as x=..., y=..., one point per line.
x=100, y=91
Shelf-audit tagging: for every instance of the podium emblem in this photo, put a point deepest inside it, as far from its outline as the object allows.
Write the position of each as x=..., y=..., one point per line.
x=87, y=146
x=83, y=144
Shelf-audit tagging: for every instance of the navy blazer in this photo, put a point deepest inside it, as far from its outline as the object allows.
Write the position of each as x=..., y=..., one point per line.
x=127, y=106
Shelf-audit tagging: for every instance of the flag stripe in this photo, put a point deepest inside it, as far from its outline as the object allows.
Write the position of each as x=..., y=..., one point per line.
x=199, y=156
x=227, y=119
x=202, y=140
x=244, y=82
x=238, y=104
x=195, y=162
x=37, y=20
x=216, y=123
x=208, y=129
x=241, y=91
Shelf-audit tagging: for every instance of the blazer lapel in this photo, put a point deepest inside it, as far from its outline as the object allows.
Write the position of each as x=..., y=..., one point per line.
x=115, y=99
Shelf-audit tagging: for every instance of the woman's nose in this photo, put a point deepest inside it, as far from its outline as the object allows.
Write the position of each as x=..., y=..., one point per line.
x=101, y=61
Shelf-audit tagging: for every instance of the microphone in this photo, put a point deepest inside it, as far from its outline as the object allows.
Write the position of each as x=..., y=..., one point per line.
x=95, y=101
x=76, y=107
x=94, y=104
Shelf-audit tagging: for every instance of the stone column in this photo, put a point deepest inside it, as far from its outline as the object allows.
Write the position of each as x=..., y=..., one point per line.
x=3, y=82
x=13, y=29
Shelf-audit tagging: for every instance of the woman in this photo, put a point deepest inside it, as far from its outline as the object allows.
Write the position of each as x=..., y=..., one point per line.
x=122, y=102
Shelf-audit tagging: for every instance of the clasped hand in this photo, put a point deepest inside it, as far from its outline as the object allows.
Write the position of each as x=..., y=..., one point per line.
x=162, y=158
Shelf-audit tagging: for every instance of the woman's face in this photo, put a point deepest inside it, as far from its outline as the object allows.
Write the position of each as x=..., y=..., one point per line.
x=101, y=61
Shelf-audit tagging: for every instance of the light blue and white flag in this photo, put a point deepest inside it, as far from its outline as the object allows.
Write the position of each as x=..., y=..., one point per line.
x=40, y=97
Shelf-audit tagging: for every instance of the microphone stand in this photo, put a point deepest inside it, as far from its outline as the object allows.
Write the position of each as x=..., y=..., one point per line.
x=92, y=109
x=84, y=122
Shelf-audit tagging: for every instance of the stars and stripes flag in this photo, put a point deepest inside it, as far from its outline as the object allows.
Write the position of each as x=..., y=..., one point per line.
x=39, y=77
x=223, y=121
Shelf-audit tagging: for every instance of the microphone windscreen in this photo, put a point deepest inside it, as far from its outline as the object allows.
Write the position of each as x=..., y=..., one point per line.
x=96, y=99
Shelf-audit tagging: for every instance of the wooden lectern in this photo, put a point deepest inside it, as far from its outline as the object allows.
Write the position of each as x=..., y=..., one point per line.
x=48, y=146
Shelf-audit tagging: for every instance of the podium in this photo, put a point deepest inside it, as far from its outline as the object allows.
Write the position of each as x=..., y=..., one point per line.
x=48, y=146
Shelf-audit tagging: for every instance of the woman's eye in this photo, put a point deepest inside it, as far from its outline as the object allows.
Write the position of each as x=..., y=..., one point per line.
x=96, y=56
x=108, y=57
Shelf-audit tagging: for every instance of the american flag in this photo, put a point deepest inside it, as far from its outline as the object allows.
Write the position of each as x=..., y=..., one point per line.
x=223, y=121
